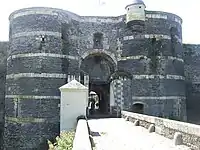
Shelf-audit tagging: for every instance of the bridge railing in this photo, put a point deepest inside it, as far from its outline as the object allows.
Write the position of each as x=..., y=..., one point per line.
x=82, y=140
x=188, y=134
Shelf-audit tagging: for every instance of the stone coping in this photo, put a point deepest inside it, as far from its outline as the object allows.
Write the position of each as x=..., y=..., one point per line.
x=82, y=140
x=176, y=125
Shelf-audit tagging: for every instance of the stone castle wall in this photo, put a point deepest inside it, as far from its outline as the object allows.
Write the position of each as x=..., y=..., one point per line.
x=192, y=73
x=35, y=71
x=47, y=46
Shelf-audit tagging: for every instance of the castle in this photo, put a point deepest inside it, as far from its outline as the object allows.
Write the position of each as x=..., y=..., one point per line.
x=135, y=61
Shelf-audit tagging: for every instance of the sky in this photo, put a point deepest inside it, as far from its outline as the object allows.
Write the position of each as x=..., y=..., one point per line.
x=188, y=10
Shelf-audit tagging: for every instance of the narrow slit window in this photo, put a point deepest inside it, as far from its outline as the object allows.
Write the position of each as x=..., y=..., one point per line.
x=98, y=41
x=174, y=33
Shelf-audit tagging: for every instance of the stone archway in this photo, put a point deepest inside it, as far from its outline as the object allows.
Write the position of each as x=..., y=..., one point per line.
x=99, y=67
x=101, y=52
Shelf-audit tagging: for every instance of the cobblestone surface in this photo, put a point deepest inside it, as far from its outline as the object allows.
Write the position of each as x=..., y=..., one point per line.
x=118, y=134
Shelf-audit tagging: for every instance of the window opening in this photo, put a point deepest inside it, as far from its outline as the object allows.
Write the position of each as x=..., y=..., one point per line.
x=98, y=41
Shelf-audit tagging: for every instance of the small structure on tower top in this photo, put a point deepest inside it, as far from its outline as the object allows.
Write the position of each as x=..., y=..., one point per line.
x=135, y=16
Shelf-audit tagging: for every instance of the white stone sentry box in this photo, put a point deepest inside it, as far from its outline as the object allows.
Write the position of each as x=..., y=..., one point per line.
x=73, y=103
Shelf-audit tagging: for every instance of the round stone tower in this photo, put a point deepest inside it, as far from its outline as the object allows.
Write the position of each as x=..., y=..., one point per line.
x=154, y=60
x=35, y=71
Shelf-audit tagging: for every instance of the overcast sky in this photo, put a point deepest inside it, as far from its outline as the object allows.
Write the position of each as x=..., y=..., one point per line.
x=188, y=10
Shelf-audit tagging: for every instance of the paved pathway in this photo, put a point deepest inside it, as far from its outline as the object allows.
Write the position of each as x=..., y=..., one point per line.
x=118, y=134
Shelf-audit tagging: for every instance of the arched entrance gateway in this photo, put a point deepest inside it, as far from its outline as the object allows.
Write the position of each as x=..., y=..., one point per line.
x=99, y=66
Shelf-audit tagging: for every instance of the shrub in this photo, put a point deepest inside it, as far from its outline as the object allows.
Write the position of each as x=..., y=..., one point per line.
x=63, y=142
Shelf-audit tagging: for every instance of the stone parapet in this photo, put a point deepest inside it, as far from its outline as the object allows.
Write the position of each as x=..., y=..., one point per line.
x=168, y=128
x=82, y=140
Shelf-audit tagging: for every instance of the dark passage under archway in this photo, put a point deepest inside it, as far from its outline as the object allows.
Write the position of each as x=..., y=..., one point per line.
x=138, y=108
x=99, y=66
x=103, y=92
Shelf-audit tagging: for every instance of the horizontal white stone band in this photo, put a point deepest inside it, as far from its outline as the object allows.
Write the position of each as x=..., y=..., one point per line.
x=162, y=16
x=42, y=55
x=150, y=36
x=24, y=120
x=169, y=77
x=158, y=16
x=36, y=33
x=36, y=75
x=101, y=20
x=34, y=12
x=156, y=97
x=145, y=57
x=147, y=36
x=195, y=82
x=171, y=58
x=54, y=75
x=31, y=97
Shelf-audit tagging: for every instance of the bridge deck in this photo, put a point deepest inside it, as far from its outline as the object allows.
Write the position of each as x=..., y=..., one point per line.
x=118, y=134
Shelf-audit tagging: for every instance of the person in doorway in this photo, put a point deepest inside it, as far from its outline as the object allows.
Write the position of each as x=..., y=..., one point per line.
x=92, y=106
x=97, y=107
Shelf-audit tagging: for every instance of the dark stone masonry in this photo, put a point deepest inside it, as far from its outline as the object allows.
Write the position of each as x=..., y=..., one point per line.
x=135, y=62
